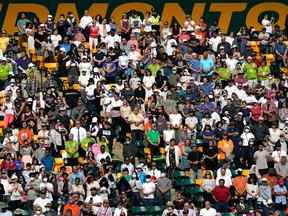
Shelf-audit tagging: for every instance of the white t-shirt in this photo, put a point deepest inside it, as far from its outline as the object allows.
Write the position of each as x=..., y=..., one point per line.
x=175, y=119
x=208, y=212
x=214, y=41
x=246, y=137
x=55, y=39
x=148, y=81
x=110, y=40
x=42, y=203
x=250, y=99
x=276, y=155
x=134, y=55
x=168, y=135
x=251, y=189
x=101, y=156
x=120, y=212
x=267, y=25
x=191, y=121
x=241, y=94
x=230, y=40
x=189, y=25
x=90, y=91
x=149, y=188
x=215, y=117
x=95, y=200
x=31, y=42
x=231, y=64
x=123, y=61
x=85, y=21
x=147, y=25
x=227, y=179
x=129, y=166
x=274, y=134
x=230, y=90
x=85, y=66
x=81, y=134
x=170, y=46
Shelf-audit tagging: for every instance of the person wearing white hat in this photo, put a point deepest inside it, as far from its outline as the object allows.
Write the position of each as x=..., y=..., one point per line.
x=246, y=136
x=265, y=193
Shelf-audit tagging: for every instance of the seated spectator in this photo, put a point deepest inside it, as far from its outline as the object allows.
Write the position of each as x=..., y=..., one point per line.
x=221, y=195
x=208, y=210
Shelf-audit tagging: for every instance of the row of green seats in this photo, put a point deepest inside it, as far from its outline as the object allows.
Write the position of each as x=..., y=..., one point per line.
x=149, y=210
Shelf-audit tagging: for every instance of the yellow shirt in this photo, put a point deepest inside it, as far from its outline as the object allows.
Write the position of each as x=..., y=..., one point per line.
x=3, y=43
x=137, y=121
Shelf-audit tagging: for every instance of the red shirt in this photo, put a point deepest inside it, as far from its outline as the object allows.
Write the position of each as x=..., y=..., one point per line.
x=8, y=165
x=184, y=37
x=256, y=112
x=94, y=31
x=221, y=193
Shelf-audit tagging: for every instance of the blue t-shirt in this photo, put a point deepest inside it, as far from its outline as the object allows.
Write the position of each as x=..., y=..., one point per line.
x=207, y=65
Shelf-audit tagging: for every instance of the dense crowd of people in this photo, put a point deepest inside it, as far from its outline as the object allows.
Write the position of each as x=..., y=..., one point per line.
x=99, y=119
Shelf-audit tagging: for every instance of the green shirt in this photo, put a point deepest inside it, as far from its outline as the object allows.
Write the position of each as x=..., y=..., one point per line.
x=155, y=20
x=250, y=70
x=224, y=73
x=71, y=147
x=263, y=72
x=153, y=136
x=5, y=69
x=85, y=143
x=154, y=68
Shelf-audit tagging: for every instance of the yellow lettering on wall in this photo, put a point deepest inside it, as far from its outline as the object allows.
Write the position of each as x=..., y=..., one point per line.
x=257, y=10
x=98, y=8
x=124, y=8
x=198, y=11
x=171, y=10
x=64, y=8
x=226, y=11
x=14, y=9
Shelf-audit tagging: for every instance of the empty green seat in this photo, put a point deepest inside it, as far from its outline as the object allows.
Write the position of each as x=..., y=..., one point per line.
x=184, y=181
x=140, y=210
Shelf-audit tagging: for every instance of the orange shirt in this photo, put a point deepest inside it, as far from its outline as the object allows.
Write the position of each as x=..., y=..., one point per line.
x=272, y=180
x=75, y=209
x=226, y=146
x=239, y=183
x=25, y=134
